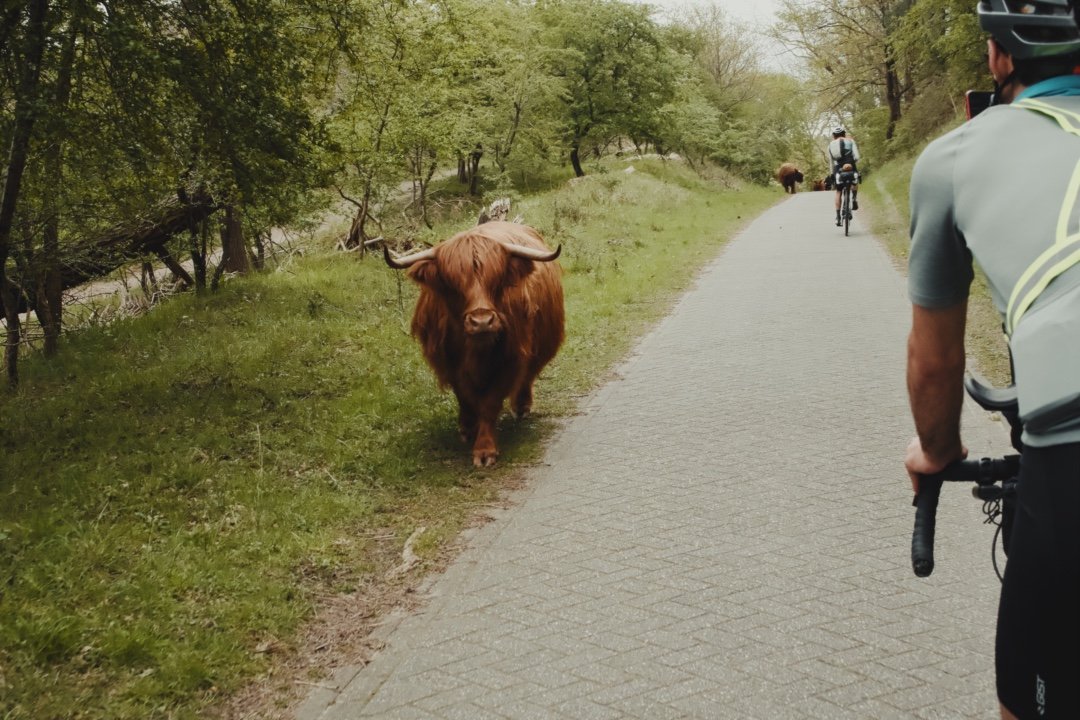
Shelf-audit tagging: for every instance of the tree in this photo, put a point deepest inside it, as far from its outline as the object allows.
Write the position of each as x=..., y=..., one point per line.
x=381, y=65
x=897, y=67
x=503, y=85
x=717, y=84
x=850, y=47
x=942, y=45
x=616, y=72
x=779, y=125
x=167, y=100
x=242, y=132
x=725, y=52
x=28, y=103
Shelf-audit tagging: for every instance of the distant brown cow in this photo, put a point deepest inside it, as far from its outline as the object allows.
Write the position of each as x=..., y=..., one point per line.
x=488, y=319
x=788, y=175
x=819, y=185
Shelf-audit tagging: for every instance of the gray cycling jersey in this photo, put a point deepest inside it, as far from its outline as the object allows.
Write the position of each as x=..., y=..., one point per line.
x=834, y=149
x=999, y=188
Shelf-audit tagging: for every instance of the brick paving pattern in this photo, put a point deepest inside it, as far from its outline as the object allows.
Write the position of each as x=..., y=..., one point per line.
x=724, y=531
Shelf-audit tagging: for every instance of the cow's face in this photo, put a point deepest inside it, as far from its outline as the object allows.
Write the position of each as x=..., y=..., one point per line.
x=798, y=176
x=471, y=279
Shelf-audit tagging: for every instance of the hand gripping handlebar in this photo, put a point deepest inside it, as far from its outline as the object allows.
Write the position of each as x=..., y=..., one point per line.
x=984, y=471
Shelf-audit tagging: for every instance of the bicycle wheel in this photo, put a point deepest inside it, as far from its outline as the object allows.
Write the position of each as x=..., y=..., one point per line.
x=847, y=211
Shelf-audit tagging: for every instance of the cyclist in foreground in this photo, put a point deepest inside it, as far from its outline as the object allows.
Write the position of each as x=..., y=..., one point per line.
x=843, y=151
x=1004, y=190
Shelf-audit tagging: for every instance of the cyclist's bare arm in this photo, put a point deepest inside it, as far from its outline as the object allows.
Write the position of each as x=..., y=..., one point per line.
x=935, y=377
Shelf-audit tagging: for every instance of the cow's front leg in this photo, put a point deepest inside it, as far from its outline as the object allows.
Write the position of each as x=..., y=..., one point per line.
x=466, y=419
x=521, y=405
x=485, y=453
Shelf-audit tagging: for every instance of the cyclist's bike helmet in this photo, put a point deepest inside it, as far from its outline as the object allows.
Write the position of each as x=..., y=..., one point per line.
x=839, y=131
x=1035, y=29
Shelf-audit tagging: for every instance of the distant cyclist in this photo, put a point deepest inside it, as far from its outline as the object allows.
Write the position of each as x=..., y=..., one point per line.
x=843, y=151
x=1004, y=190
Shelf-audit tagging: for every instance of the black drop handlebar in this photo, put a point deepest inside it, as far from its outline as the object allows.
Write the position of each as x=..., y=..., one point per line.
x=985, y=471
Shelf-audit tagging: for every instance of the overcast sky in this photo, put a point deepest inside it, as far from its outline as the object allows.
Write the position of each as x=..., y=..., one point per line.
x=758, y=12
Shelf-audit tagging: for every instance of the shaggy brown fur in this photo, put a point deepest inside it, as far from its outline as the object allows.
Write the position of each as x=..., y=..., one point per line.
x=789, y=175
x=488, y=322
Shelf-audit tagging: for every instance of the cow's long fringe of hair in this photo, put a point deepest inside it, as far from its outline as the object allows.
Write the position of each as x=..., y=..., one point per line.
x=531, y=303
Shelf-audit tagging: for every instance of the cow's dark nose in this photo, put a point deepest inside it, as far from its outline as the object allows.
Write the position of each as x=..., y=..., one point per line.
x=481, y=321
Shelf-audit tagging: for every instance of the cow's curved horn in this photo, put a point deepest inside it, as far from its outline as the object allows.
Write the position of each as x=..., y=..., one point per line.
x=532, y=253
x=409, y=260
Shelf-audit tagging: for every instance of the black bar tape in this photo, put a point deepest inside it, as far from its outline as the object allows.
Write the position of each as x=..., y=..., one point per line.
x=983, y=471
x=922, y=537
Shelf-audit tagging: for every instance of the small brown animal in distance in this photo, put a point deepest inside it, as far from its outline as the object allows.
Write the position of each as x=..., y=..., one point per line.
x=819, y=185
x=789, y=175
x=489, y=318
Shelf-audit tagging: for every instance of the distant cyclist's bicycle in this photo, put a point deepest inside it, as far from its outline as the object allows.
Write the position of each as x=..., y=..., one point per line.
x=999, y=500
x=845, y=179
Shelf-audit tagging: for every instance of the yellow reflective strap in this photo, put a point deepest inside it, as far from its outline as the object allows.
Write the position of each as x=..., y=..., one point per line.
x=1047, y=277
x=1043, y=105
x=1054, y=260
x=1061, y=262
x=1068, y=120
x=1020, y=299
x=1072, y=194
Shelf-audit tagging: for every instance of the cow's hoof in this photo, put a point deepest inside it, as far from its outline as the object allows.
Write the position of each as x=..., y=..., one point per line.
x=521, y=413
x=484, y=458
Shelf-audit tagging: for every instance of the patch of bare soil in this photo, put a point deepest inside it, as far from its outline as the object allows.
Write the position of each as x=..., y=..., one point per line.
x=338, y=636
x=341, y=633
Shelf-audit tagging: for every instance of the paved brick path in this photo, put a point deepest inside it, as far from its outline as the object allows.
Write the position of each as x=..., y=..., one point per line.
x=724, y=531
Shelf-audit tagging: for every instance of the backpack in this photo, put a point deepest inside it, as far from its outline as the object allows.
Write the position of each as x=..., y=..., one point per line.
x=1045, y=343
x=847, y=153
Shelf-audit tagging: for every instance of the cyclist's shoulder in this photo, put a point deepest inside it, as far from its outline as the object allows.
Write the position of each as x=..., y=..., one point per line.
x=1001, y=131
x=935, y=163
x=939, y=157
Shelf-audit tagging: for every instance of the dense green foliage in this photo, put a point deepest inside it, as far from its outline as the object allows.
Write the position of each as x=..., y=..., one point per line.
x=148, y=127
x=894, y=71
x=182, y=488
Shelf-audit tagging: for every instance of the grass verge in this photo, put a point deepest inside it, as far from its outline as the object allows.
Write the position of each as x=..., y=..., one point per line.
x=184, y=492
x=888, y=190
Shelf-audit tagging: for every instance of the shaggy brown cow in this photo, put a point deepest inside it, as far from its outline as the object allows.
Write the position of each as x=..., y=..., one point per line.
x=488, y=319
x=788, y=175
x=819, y=185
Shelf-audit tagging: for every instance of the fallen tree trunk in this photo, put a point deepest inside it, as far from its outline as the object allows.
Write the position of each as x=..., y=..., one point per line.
x=175, y=267
x=121, y=246
x=96, y=258
x=118, y=247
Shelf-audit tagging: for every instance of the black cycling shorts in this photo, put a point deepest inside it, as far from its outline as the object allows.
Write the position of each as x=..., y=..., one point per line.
x=1038, y=633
